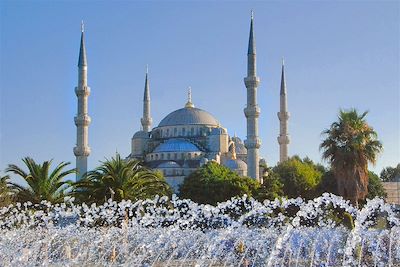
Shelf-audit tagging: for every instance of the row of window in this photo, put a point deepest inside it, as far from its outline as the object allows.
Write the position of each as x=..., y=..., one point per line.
x=170, y=156
x=169, y=132
x=173, y=172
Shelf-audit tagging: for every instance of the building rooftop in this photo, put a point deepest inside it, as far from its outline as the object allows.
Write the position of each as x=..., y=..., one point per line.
x=189, y=116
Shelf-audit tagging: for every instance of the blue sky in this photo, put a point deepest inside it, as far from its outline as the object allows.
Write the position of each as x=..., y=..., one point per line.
x=341, y=54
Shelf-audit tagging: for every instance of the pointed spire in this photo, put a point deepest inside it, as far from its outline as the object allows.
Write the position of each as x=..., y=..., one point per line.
x=189, y=104
x=146, y=120
x=146, y=96
x=82, y=51
x=252, y=42
x=283, y=82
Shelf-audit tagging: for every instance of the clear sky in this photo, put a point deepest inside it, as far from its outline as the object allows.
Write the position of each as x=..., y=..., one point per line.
x=337, y=55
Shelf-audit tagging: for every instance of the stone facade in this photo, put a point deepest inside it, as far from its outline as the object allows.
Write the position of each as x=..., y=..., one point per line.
x=393, y=192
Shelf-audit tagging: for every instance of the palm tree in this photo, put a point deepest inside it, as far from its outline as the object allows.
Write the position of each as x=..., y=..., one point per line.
x=349, y=146
x=120, y=179
x=6, y=195
x=41, y=183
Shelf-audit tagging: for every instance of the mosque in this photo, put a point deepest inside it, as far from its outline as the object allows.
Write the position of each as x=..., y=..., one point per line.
x=188, y=137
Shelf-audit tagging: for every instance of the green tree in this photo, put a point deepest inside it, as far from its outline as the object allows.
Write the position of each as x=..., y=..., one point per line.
x=328, y=183
x=271, y=188
x=213, y=183
x=120, y=179
x=6, y=195
x=390, y=174
x=349, y=146
x=299, y=178
x=42, y=183
x=375, y=186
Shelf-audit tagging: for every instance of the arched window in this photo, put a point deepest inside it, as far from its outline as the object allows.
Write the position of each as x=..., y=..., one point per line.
x=168, y=156
x=183, y=131
x=175, y=131
x=192, y=131
x=162, y=156
x=156, y=156
x=189, y=155
x=152, y=156
x=176, y=156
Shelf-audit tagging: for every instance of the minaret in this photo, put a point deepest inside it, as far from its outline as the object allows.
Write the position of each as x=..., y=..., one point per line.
x=283, y=115
x=82, y=120
x=146, y=120
x=252, y=111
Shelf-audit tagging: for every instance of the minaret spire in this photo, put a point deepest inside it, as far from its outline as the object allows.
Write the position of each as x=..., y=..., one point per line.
x=82, y=119
x=283, y=115
x=146, y=120
x=252, y=111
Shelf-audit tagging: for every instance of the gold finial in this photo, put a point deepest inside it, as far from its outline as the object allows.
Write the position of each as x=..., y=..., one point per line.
x=252, y=14
x=189, y=104
x=82, y=26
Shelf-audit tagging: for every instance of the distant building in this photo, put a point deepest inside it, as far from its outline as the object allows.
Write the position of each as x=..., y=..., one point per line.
x=188, y=137
x=393, y=191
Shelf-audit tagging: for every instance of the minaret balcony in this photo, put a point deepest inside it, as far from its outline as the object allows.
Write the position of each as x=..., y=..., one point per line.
x=82, y=91
x=146, y=121
x=253, y=142
x=252, y=111
x=252, y=82
x=82, y=120
x=283, y=139
x=283, y=116
x=82, y=151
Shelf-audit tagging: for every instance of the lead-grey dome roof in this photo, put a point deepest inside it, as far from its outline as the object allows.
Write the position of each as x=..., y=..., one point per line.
x=169, y=164
x=236, y=164
x=189, y=116
x=176, y=145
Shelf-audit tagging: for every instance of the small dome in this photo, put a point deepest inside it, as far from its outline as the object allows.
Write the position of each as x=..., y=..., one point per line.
x=189, y=116
x=169, y=164
x=235, y=164
x=239, y=145
x=176, y=145
x=141, y=134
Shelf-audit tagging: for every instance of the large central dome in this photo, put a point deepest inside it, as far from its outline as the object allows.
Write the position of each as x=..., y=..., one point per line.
x=189, y=116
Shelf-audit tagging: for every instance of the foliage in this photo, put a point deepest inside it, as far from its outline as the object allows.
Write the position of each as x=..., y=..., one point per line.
x=390, y=174
x=299, y=178
x=213, y=183
x=328, y=183
x=42, y=184
x=120, y=179
x=375, y=186
x=6, y=197
x=349, y=146
x=271, y=188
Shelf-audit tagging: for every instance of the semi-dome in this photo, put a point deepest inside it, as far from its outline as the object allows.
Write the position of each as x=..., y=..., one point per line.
x=141, y=134
x=189, y=116
x=236, y=164
x=176, y=145
x=169, y=164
